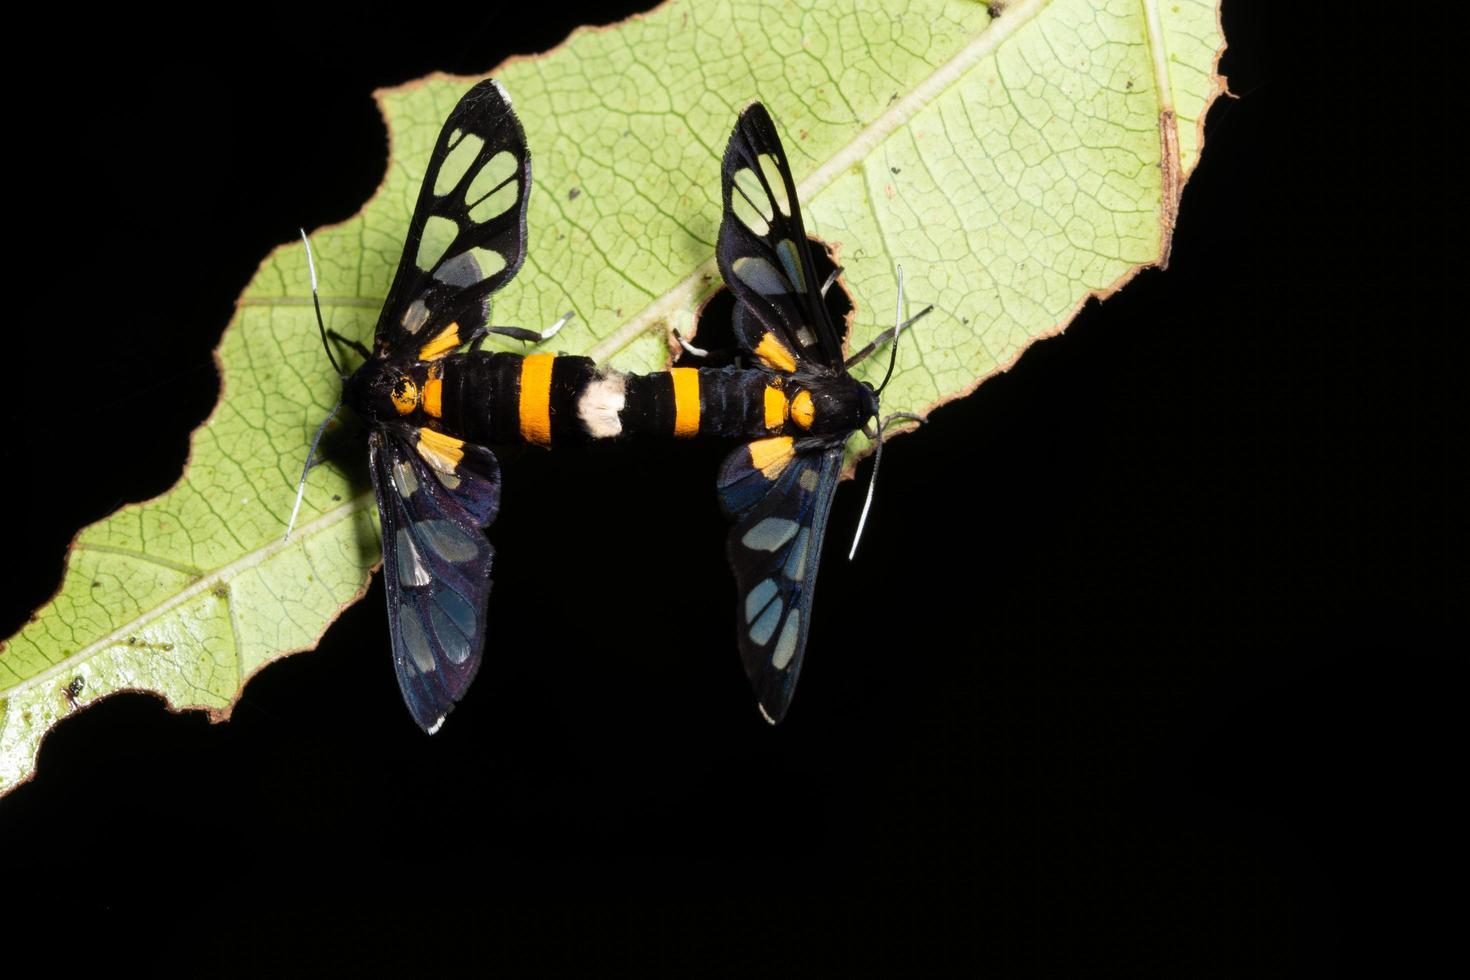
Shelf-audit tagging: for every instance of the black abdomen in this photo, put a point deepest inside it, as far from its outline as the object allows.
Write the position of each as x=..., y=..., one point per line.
x=548, y=400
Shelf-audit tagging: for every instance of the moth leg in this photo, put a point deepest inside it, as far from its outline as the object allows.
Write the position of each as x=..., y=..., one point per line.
x=689, y=348
x=709, y=357
x=886, y=336
x=356, y=345
x=477, y=339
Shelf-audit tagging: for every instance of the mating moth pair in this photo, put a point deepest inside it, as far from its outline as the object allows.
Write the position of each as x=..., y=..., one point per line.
x=433, y=401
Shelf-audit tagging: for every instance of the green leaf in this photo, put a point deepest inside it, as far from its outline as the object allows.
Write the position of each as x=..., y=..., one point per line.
x=1014, y=166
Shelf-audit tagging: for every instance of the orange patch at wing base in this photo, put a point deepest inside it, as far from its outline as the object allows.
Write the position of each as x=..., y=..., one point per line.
x=446, y=341
x=440, y=451
x=771, y=456
x=775, y=354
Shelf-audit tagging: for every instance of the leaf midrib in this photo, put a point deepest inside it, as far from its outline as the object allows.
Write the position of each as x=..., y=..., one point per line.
x=205, y=583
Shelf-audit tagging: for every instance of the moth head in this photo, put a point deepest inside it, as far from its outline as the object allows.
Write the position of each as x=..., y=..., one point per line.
x=841, y=407
x=379, y=391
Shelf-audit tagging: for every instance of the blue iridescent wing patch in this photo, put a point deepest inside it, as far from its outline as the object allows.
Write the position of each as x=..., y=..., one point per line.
x=436, y=565
x=780, y=505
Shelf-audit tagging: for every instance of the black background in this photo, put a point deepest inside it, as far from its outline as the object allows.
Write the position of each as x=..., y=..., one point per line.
x=1139, y=671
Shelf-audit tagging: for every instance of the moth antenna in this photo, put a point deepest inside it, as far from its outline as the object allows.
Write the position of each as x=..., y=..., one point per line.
x=310, y=455
x=899, y=323
x=873, y=481
x=868, y=503
x=893, y=352
x=322, y=327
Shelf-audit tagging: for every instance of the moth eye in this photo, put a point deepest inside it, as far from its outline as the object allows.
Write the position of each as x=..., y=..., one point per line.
x=465, y=147
x=786, y=645
x=769, y=534
x=772, y=171
x=750, y=203
x=494, y=189
x=439, y=234
x=759, y=275
x=414, y=640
